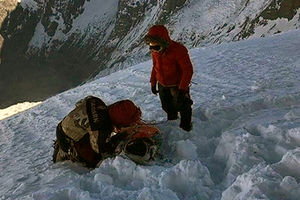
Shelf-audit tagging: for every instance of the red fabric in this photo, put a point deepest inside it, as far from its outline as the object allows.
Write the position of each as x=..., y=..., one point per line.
x=173, y=66
x=124, y=113
x=86, y=153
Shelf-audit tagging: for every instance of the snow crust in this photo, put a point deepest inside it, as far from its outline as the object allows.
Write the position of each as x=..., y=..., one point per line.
x=249, y=148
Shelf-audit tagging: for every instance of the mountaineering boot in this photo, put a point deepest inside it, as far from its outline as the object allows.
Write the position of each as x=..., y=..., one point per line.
x=186, y=126
x=186, y=118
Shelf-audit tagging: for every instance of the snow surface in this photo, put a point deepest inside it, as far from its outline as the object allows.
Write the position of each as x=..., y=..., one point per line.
x=204, y=19
x=96, y=18
x=249, y=148
x=14, y=109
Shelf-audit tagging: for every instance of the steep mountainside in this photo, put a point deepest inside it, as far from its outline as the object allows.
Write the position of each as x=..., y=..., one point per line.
x=50, y=46
x=5, y=8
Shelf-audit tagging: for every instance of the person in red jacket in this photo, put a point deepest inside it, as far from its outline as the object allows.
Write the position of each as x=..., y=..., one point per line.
x=171, y=75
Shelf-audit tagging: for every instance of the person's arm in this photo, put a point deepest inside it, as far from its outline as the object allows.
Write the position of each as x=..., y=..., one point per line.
x=94, y=139
x=100, y=126
x=153, y=79
x=186, y=67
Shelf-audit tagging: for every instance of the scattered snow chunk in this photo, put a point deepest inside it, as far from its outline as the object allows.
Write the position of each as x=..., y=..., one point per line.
x=288, y=183
x=155, y=194
x=186, y=149
x=103, y=178
x=295, y=135
x=293, y=114
x=261, y=182
x=189, y=179
x=290, y=164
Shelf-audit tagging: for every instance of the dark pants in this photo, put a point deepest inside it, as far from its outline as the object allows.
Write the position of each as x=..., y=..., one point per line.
x=169, y=101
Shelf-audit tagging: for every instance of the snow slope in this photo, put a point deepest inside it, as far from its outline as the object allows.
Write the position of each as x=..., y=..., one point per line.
x=248, y=149
x=7, y=112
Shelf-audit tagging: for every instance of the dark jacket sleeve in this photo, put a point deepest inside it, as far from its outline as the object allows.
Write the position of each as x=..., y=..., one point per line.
x=186, y=67
x=99, y=121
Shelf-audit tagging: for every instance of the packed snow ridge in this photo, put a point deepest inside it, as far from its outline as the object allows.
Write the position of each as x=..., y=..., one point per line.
x=248, y=149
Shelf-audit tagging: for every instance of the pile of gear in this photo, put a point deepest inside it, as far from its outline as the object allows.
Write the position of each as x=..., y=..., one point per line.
x=94, y=131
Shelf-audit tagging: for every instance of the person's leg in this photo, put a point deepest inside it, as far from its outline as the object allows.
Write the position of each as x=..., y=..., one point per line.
x=186, y=118
x=167, y=102
x=185, y=110
x=85, y=154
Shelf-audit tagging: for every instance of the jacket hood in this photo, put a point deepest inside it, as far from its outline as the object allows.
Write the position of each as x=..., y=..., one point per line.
x=160, y=34
x=159, y=31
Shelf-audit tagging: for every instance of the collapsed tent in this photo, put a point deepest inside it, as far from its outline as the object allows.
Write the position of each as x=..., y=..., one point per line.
x=94, y=131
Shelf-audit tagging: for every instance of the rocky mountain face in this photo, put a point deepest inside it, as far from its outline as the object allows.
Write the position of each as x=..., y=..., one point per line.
x=50, y=46
x=5, y=8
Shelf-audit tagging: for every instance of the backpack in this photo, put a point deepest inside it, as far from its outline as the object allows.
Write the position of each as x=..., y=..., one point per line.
x=90, y=114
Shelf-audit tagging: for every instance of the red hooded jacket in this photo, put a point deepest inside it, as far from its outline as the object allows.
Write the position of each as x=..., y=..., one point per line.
x=172, y=67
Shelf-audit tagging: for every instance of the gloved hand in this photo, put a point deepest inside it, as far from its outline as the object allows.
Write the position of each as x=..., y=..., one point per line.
x=154, y=90
x=181, y=94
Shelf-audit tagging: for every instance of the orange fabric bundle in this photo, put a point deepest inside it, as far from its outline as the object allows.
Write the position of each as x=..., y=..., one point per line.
x=140, y=130
x=146, y=131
